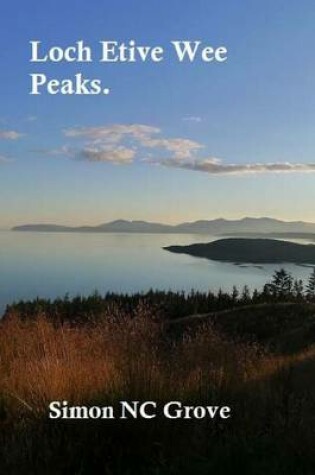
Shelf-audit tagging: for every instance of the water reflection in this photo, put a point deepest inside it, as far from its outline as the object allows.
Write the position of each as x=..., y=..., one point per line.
x=53, y=264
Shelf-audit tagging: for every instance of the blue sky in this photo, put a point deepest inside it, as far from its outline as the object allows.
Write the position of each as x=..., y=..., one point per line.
x=171, y=142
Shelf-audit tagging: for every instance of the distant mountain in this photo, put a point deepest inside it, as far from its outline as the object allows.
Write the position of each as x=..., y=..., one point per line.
x=212, y=227
x=258, y=251
x=118, y=226
x=247, y=225
x=123, y=226
x=47, y=228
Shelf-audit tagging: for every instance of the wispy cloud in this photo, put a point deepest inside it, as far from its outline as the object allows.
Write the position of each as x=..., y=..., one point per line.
x=124, y=144
x=136, y=135
x=112, y=134
x=181, y=148
x=192, y=118
x=10, y=135
x=214, y=166
x=31, y=118
x=118, y=156
x=64, y=150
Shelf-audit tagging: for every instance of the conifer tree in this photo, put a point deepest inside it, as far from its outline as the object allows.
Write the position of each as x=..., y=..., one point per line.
x=310, y=288
x=298, y=289
x=281, y=284
x=245, y=294
x=235, y=294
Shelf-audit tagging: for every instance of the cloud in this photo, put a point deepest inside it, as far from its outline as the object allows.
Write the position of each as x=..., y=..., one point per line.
x=181, y=148
x=64, y=150
x=10, y=135
x=31, y=118
x=141, y=136
x=192, y=118
x=125, y=144
x=215, y=166
x=112, y=134
x=117, y=156
x=138, y=135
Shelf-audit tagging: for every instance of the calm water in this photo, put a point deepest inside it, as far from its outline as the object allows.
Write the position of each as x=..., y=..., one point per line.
x=51, y=265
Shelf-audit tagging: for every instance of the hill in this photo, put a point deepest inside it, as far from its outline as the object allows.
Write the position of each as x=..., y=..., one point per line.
x=286, y=327
x=255, y=354
x=284, y=235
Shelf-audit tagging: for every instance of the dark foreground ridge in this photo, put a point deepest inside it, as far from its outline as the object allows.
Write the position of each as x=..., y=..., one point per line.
x=253, y=351
x=241, y=250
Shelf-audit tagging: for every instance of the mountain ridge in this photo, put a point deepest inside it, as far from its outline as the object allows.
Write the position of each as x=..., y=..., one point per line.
x=219, y=226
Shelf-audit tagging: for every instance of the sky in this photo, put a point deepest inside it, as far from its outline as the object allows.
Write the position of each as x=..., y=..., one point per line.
x=172, y=141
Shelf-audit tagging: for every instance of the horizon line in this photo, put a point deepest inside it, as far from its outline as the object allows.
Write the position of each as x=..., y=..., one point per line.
x=220, y=218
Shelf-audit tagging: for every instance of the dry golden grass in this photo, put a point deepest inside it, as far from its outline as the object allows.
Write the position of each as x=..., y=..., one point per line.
x=40, y=362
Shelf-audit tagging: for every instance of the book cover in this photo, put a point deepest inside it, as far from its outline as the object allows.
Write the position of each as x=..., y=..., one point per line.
x=157, y=237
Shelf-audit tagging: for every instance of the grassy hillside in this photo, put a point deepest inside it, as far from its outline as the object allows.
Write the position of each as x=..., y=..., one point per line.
x=257, y=357
x=283, y=327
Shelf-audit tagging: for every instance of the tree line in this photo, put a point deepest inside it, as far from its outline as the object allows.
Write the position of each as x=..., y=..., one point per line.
x=167, y=304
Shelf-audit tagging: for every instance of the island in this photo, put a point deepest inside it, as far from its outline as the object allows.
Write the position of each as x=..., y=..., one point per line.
x=255, y=251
